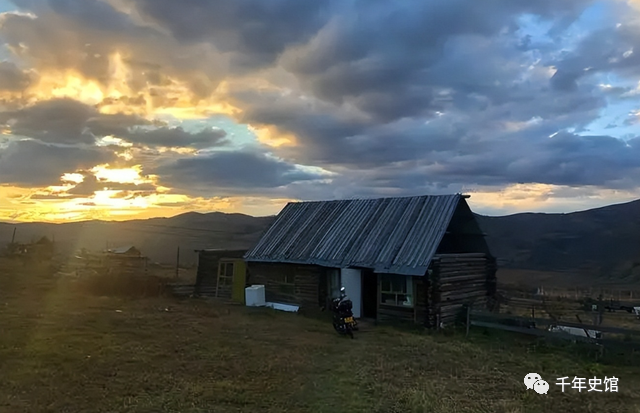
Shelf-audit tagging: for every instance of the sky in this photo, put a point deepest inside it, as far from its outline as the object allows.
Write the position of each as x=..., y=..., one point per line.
x=126, y=109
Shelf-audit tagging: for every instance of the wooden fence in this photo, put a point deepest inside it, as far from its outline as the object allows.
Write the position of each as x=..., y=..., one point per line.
x=612, y=338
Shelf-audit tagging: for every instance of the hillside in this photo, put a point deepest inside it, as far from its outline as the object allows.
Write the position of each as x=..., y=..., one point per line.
x=603, y=241
x=158, y=238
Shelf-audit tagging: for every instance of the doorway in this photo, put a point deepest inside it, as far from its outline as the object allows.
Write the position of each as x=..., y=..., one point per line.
x=351, y=281
x=239, y=281
x=369, y=294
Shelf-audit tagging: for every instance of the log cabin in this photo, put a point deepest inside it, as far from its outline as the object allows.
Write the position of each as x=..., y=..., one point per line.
x=418, y=259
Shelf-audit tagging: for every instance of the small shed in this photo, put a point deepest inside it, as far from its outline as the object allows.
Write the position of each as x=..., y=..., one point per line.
x=126, y=259
x=419, y=259
x=127, y=250
x=41, y=250
x=221, y=273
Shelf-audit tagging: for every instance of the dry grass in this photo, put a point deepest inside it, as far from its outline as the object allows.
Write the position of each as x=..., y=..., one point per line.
x=62, y=350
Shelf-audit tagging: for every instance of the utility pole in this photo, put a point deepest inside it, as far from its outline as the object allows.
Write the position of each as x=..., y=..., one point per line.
x=13, y=237
x=178, y=262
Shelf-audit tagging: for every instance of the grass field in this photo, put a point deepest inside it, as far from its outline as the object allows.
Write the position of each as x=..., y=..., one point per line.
x=62, y=350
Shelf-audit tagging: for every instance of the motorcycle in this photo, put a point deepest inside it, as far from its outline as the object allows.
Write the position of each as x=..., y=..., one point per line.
x=343, y=321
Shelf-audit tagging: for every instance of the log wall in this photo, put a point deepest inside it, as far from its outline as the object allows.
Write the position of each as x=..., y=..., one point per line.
x=453, y=281
x=459, y=280
x=207, y=274
x=305, y=291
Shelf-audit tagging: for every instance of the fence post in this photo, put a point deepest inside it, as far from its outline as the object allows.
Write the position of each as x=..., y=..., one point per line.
x=468, y=320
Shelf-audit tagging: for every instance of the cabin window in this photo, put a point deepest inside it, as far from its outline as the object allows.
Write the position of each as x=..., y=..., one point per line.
x=396, y=290
x=287, y=281
x=225, y=273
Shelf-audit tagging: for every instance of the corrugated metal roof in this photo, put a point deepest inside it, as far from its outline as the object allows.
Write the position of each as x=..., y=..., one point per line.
x=389, y=235
x=121, y=250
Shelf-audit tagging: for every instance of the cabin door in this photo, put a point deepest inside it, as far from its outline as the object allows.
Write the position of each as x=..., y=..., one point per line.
x=239, y=281
x=352, y=282
x=369, y=294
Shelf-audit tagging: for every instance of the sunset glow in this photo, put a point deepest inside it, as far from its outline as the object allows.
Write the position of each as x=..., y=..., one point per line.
x=117, y=109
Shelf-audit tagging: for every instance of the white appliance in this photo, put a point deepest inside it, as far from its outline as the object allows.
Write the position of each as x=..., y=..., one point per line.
x=254, y=296
x=352, y=282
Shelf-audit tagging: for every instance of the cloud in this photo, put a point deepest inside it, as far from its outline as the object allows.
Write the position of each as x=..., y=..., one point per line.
x=177, y=137
x=98, y=42
x=31, y=163
x=237, y=171
x=68, y=121
x=406, y=98
x=91, y=184
x=12, y=78
x=64, y=121
x=255, y=33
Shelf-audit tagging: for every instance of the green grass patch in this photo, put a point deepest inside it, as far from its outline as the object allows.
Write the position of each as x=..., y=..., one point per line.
x=63, y=349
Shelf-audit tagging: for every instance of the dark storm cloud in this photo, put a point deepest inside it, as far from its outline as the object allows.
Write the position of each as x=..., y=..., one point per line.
x=225, y=169
x=30, y=163
x=69, y=121
x=612, y=49
x=13, y=79
x=331, y=137
x=398, y=97
x=425, y=47
x=564, y=159
x=177, y=137
x=255, y=32
x=64, y=121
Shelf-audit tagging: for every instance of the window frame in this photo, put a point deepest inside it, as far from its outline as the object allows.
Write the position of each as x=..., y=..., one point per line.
x=287, y=280
x=224, y=278
x=407, y=291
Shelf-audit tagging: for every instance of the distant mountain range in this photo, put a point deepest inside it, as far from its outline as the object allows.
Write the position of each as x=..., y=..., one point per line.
x=603, y=242
x=157, y=238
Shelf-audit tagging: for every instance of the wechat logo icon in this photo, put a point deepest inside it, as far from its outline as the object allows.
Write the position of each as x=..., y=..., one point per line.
x=534, y=381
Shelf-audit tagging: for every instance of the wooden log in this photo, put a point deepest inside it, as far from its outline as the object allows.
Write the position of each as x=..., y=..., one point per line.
x=462, y=295
x=481, y=285
x=465, y=296
x=479, y=263
x=463, y=290
x=446, y=266
x=396, y=313
x=460, y=272
x=463, y=284
x=473, y=301
x=451, y=310
x=458, y=268
x=450, y=272
x=462, y=278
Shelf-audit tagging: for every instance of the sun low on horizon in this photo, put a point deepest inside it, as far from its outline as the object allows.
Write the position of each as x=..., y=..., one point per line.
x=127, y=109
